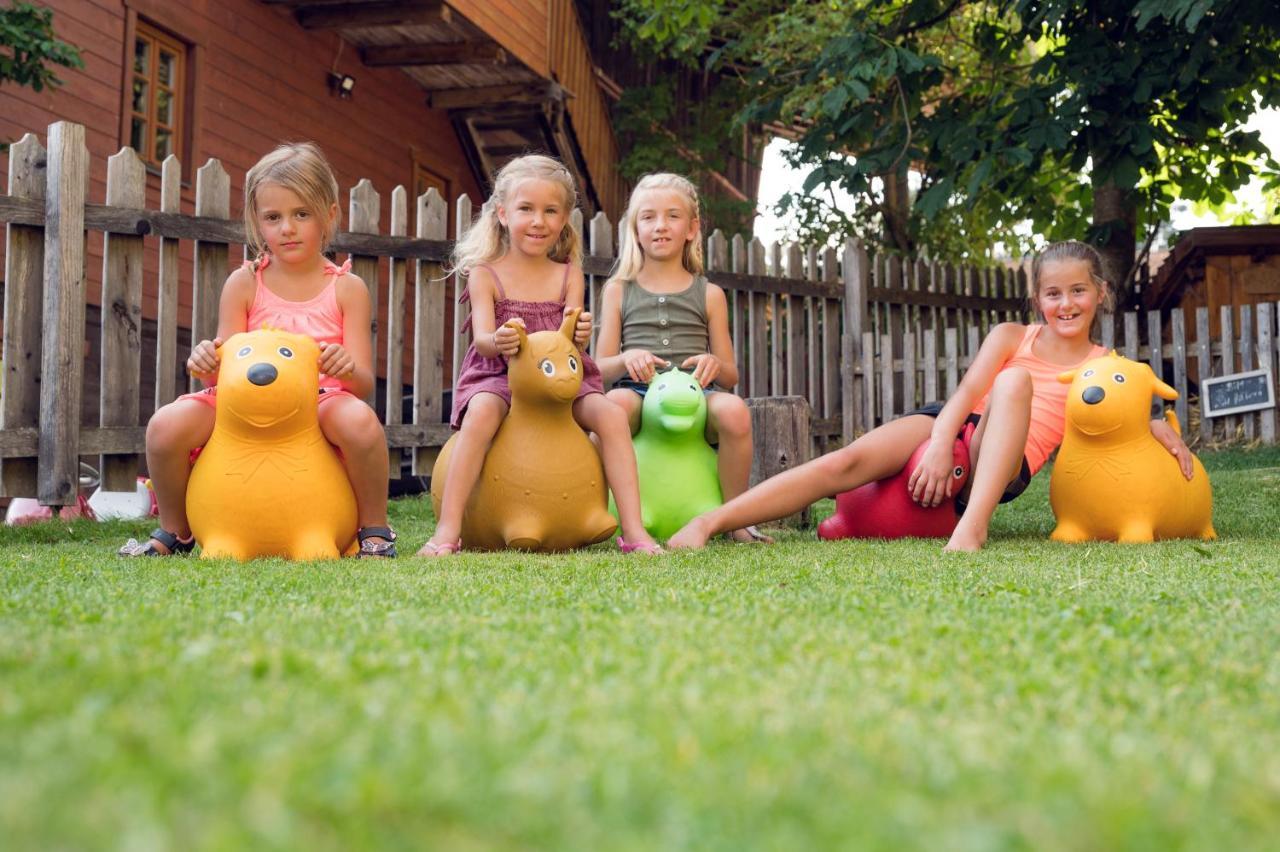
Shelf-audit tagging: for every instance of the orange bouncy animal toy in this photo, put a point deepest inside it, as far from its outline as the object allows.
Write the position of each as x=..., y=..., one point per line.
x=1113, y=481
x=268, y=483
x=542, y=485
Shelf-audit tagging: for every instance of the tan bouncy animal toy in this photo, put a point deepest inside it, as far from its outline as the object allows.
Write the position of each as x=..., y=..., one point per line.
x=1113, y=481
x=268, y=483
x=542, y=485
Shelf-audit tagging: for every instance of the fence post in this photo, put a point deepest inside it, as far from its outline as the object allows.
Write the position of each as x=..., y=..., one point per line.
x=462, y=224
x=363, y=217
x=1246, y=364
x=758, y=329
x=741, y=308
x=120, y=370
x=832, y=405
x=795, y=344
x=813, y=338
x=397, y=274
x=1179, y=322
x=856, y=273
x=428, y=328
x=167, y=289
x=601, y=237
x=1204, y=349
x=63, y=339
x=777, y=346
x=23, y=303
x=213, y=198
x=1267, y=361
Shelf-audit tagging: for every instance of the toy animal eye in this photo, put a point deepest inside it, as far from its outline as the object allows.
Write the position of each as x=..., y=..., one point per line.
x=547, y=367
x=662, y=386
x=1086, y=374
x=244, y=350
x=957, y=471
x=1119, y=378
x=573, y=364
x=285, y=351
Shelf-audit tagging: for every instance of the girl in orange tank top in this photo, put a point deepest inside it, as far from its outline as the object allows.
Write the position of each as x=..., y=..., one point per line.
x=1009, y=406
x=291, y=214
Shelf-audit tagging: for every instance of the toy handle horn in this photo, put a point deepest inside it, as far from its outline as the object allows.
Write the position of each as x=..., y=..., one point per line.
x=570, y=322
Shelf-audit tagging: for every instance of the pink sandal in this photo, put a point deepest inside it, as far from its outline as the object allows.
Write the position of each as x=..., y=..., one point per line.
x=649, y=548
x=447, y=549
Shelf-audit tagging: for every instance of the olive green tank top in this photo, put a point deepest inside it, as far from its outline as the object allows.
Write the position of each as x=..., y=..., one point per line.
x=672, y=326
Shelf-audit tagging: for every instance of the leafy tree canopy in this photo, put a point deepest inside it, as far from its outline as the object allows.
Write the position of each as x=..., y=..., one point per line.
x=28, y=47
x=1084, y=119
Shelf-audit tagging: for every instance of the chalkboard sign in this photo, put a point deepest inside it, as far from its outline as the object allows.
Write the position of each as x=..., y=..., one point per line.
x=1251, y=391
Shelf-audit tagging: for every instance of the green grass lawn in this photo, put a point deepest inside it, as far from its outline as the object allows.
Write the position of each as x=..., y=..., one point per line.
x=796, y=696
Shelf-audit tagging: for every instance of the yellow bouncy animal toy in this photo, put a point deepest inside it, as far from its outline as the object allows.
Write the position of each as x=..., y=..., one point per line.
x=1113, y=481
x=268, y=483
x=542, y=484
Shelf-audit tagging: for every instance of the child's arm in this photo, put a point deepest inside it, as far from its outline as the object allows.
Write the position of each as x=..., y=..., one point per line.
x=575, y=299
x=490, y=342
x=233, y=316
x=719, y=365
x=638, y=364
x=351, y=362
x=1169, y=438
x=931, y=481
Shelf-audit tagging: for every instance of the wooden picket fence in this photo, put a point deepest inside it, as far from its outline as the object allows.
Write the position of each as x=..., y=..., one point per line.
x=861, y=338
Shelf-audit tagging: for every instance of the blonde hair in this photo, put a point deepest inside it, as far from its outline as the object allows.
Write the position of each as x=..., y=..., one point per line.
x=488, y=240
x=630, y=255
x=1073, y=250
x=301, y=168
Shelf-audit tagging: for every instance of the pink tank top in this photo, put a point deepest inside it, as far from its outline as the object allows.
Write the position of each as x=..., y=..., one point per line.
x=1048, y=397
x=319, y=317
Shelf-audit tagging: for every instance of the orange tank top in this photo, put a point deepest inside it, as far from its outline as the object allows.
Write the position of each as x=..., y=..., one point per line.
x=1048, y=397
x=319, y=317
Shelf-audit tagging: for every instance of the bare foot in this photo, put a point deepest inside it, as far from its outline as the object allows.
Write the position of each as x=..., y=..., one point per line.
x=692, y=535
x=749, y=535
x=965, y=541
x=640, y=542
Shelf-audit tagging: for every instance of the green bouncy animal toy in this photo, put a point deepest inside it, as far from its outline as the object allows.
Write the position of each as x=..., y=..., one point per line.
x=677, y=467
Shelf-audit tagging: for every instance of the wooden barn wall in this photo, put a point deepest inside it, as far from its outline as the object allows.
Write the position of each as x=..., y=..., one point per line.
x=259, y=80
x=518, y=26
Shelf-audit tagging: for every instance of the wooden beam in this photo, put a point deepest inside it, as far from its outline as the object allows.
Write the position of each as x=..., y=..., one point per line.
x=482, y=95
x=329, y=16
x=454, y=53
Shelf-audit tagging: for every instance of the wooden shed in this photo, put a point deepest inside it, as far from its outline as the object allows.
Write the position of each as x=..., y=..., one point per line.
x=1213, y=267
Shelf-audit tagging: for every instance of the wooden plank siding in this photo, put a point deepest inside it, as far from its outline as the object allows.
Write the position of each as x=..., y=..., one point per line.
x=260, y=79
x=574, y=68
x=519, y=26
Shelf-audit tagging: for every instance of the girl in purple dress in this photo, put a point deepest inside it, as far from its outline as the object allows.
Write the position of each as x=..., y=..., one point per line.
x=524, y=262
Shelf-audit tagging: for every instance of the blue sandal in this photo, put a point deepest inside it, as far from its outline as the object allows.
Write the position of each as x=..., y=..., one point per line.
x=379, y=549
x=175, y=545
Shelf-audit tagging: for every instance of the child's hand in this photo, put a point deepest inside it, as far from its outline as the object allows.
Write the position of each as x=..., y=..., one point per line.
x=705, y=368
x=204, y=358
x=336, y=361
x=640, y=364
x=506, y=340
x=930, y=482
x=1173, y=442
x=581, y=330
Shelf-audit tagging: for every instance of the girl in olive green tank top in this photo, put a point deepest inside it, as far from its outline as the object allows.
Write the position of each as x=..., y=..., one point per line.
x=659, y=311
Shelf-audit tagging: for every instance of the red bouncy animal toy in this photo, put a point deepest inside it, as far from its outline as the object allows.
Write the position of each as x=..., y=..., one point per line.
x=884, y=508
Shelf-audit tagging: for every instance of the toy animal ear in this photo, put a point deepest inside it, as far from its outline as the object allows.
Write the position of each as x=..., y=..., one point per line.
x=570, y=321
x=520, y=332
x=1068, y=377
x=1160, y=389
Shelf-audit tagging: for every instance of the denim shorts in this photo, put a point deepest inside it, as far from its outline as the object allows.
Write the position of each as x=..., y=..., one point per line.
x=1013, y=489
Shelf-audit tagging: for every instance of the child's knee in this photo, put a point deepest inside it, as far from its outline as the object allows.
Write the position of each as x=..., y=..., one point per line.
x=1014, y=382
x=613, y=420
x=732, y=419
x=355, y=428
x=177, y=429
x=483, y=417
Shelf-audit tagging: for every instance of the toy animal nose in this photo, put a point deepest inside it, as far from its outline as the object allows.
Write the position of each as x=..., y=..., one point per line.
x=1093, y=395
x=262, y=374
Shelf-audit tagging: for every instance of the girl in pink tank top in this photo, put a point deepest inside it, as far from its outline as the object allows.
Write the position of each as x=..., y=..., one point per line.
x=1010, y=408
x=291, y=215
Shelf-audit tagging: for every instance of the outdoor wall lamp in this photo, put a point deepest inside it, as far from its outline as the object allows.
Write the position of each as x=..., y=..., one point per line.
x=341, y=84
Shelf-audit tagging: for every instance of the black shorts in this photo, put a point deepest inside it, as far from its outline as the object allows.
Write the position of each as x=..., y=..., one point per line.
x=1011, y=491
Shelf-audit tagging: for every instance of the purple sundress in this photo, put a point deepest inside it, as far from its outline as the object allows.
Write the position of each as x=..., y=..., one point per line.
x=489, y=375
